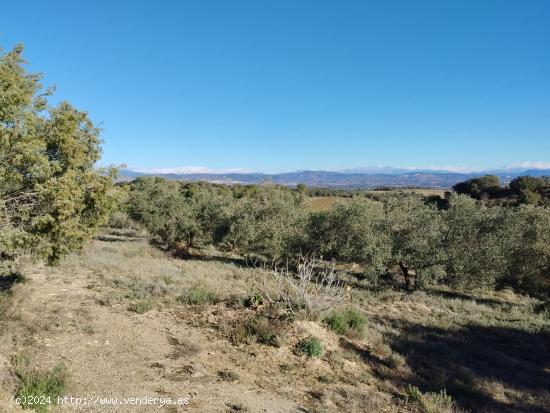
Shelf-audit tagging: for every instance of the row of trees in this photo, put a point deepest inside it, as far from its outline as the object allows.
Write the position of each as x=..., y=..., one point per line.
x=262, y=220
x=523, y=190
x=466, y=244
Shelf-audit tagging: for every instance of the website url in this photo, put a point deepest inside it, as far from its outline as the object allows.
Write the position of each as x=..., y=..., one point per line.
x=101, y=401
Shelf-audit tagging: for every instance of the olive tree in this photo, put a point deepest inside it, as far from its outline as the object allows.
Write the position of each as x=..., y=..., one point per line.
x=266, y=221
x=415, y=229
x=51, y=197
x=477, y=242
x=530, y=259
x=479, y=188
x=162, y=208
x=210, y=207
x=352, y=231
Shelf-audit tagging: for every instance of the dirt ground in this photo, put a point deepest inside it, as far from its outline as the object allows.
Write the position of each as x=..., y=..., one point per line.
x=171, y=351
x=78, y=315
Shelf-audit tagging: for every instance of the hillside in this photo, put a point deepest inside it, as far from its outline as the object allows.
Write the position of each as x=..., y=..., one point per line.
x=128, y=320
x=349, y=180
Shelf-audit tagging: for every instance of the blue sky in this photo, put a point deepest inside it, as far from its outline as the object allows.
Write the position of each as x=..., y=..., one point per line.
x=289, y=85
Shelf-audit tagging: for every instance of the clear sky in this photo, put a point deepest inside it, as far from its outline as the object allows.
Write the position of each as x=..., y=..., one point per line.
x=300, y=84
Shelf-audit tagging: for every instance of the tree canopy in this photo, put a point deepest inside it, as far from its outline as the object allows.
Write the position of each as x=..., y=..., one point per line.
x=51, y=197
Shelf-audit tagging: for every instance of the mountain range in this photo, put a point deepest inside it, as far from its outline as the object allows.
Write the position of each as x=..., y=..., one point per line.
x=359, y=178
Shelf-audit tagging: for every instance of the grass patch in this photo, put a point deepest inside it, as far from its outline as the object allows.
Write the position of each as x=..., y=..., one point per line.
x=199, y=294
x=39, y=389
x=312, y=347
x=349, y=321
x=396, y=360
x=141, y=306
x=432, y=402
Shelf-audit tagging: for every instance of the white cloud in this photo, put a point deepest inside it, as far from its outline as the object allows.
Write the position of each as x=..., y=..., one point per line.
x=530, y=165
x=401, y=169
x=459, y=169
x=183, y=170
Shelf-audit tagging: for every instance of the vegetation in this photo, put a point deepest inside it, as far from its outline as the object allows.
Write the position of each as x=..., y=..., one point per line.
x=463, y=243
x=38, y=390
x=479, y=188
x=484, y=348
x=348, y=321
x=312, y=347
x=141, y=306
x=432, y=402
x=529, y=190
x=51, y=198
x=199, y=294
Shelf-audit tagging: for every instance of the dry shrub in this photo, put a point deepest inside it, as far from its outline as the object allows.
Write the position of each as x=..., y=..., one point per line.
x=311, y=290
x=267, y=327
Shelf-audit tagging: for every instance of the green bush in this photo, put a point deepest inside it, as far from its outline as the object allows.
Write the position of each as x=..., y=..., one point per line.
x=142, y=306
x=312, y=347
x=41, y=385
x=347, y=321
x=200, y=294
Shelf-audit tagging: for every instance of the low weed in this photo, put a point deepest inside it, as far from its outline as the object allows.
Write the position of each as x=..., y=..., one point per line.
x=199, y=294
x=38, y=389
x=142, y=306
x=349, y=321
x=312, y=347
x=432, y=402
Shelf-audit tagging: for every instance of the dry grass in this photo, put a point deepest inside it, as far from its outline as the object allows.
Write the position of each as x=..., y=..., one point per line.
x=322, y=203
x=136, y=271
x=483, y=352
x=421, y=191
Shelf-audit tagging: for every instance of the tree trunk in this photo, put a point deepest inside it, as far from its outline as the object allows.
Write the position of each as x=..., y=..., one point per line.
x=405, y=269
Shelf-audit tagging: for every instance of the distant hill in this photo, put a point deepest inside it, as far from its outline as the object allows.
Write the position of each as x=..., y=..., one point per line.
x=359, y=179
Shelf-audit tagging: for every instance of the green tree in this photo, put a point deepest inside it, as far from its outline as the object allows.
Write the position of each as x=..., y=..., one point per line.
x=530, y=259
x=530, y=183
x=267, y=221
x=162, y=208
x=352, y=231
x=529, y=197
x=479, y=188
x=477, y=242
x=180, y=213
x=51, y=198
x=210, y=206
x=416, y=232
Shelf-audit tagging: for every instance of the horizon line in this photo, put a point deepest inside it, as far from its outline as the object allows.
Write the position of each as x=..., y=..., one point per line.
x=190, y=170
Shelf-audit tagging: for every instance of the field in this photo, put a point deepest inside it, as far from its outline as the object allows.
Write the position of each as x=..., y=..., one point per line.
x=322, y=203
x=421, y=191
x=126, y=319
